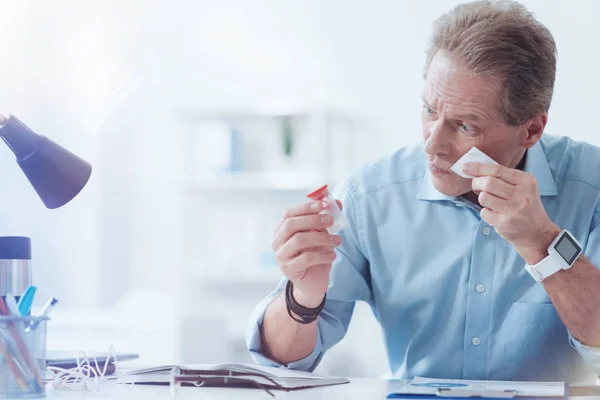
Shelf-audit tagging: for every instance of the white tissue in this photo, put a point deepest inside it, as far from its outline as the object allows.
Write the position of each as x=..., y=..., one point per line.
x=472, y=156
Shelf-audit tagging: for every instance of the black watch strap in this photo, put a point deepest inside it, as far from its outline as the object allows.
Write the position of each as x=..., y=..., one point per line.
x=297, y=312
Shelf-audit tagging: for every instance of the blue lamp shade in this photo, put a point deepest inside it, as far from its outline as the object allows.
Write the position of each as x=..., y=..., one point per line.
x=56, y=174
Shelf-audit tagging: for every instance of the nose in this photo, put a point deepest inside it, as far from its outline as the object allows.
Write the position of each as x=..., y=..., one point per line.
x=437, y=142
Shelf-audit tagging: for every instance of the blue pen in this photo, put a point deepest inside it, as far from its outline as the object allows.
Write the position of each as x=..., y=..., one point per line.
x=26, y=300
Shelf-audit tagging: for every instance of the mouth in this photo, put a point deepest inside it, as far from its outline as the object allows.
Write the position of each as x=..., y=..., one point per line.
x=439, y=170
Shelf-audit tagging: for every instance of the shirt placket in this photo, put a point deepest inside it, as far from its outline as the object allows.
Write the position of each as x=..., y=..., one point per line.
x=479, y=299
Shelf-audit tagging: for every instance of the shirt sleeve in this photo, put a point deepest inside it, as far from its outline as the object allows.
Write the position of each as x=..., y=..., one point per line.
x=590, y=354
x=349, y=282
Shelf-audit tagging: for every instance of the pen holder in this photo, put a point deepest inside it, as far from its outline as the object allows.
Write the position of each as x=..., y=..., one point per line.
x=22, y=356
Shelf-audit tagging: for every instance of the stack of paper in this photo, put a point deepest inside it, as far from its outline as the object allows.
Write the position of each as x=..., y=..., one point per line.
x=285, y=378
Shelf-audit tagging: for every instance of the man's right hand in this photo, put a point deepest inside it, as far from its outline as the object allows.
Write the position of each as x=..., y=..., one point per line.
x=305, y=250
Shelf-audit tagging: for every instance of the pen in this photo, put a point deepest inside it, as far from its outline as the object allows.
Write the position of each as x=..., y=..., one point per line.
x=14, y=368
x=26, y=299
x=44, y=312
x=4, y=310
x=11, y=306
x=10, y=346
x=13, y=311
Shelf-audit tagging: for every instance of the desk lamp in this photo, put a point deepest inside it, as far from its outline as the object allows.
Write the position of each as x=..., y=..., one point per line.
x=56, y=174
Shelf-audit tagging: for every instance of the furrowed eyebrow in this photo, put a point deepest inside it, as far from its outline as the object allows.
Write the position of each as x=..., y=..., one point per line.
x=425, y=100
x=469, y=117
x=476, y=119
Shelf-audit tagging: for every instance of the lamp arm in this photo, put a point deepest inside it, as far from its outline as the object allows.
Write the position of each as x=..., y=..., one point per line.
x=2, y=122
x=18, y=137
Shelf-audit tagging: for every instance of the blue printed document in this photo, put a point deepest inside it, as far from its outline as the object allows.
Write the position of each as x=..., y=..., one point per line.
x=452, y=388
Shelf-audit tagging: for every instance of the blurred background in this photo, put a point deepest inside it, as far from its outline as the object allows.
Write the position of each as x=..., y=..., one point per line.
x=203, y=121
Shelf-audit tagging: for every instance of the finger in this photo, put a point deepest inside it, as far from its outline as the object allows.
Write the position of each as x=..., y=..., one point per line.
x=509, y=175
x=340, y=205
x=494, y=186
x=303, y=241
x=304, y=223
x=308, y=208
x=495, y=203
x=489, y=216
x=310, y=259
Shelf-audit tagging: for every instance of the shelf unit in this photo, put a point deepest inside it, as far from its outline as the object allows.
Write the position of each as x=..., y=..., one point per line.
x=316, y=145
x=228, y=215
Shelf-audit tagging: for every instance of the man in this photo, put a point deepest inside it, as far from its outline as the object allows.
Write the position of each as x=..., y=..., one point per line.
x=442, y=259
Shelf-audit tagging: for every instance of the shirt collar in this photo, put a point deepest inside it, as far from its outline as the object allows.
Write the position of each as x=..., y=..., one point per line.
x=536, y=164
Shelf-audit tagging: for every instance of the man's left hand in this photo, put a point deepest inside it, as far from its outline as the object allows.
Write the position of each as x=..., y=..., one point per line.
x=511, y=203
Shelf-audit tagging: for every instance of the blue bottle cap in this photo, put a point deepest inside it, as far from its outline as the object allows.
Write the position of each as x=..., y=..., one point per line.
x=15, y=248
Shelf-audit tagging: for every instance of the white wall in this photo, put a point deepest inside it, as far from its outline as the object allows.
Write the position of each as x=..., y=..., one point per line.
x=104, y=78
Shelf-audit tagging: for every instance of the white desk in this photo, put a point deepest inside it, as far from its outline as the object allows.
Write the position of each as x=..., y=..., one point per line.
x=357, y=389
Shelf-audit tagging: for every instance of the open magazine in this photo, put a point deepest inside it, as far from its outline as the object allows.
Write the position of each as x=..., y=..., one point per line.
x=230, y=375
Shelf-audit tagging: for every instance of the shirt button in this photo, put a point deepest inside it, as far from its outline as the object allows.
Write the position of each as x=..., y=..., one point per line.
x=486, y=231
x=480, y=288
x=476, y=341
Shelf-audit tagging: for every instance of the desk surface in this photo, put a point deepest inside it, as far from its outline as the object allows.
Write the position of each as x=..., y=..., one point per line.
x=358, y=388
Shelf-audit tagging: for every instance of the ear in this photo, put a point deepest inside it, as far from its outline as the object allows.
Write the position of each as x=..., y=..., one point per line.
x=533, y=130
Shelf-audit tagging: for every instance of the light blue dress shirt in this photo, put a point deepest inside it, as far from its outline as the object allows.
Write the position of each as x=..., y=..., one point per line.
x=452, y=297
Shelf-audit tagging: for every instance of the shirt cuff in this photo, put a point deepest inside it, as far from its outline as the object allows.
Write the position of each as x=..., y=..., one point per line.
x=590, y=354
x=254, y=340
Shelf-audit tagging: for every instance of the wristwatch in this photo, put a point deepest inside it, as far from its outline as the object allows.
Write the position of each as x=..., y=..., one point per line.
x=562, y=254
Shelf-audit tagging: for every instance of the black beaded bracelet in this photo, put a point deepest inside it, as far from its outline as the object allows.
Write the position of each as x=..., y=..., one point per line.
x=303, y=315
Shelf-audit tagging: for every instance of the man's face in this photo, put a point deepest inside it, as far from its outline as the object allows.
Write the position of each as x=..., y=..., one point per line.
x=460, y=110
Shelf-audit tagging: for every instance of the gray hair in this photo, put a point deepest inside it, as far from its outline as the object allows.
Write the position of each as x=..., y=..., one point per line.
x=503, y=41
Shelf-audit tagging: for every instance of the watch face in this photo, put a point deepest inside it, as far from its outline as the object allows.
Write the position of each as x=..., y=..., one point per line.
x=567, y=249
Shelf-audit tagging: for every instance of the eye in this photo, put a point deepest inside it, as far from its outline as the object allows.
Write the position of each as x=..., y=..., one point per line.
x=466, y=128
x=429, y=110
